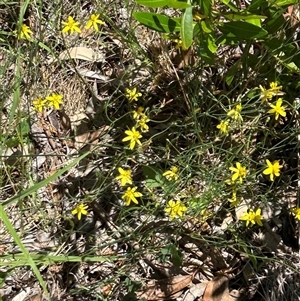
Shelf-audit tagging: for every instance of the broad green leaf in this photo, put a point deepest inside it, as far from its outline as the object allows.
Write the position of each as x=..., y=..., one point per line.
x=231, y=16
x=205, y=6
x=153, y=3
x=153, y=176
x=187, y=28
x=255, y=5
x=242, y=30
x=230, y=5
x=275, y=23
x=158, y=22
x=178, y=4
x=285, y=2
x=255, y=22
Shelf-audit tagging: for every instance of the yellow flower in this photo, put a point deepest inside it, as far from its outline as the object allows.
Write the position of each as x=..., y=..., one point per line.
x=269, y=93
x=54, y=100
x=296, y=211
x=94, y=21
x=277, y=109
x=71, y=26
x=239, y=172
x=80, y=209
x=223, y=127
x=274, y=88
x=171, y=174
x=252, y=217
x=39, y=104
x=124, y=177
x=130, y=195
x=235, y=113
x=25, y=32
x=175, y=209
x=132, y=94
x=234, y=201
x=133, y=136
x=142, y=124
x=138, y=114
x=273, y=169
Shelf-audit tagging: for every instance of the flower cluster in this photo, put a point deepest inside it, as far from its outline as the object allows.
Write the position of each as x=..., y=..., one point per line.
x=73, y=26
x=267, y=94
x=130, y=194
x=52, y=101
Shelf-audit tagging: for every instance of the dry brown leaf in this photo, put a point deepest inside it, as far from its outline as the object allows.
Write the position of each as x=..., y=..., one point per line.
x=195, y=291
x=89, y=137
x=81, y=53
x=217, y=289
x=164, y=288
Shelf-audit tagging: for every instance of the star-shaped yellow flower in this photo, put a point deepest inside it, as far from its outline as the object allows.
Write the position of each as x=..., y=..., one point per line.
x=236, y=113
x=71, y=25
x=79, y=210
x=171, y=174
x=234, y=201
x=273, y=169
x=25, y=32
x=132, y=94
x=239, y=172
x=94, y=21
x=296, y=211
x=54, y=100
x=138, y=114
x=142, y=123
x=133, y=136
x=130, y=195
x=223, y=127
x=124, y=176
x=39, y=104
x=175, y=209
x=252, y=217
x=277, y=109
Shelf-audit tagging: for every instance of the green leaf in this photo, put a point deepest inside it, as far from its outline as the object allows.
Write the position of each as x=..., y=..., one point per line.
x=275, y=23
x=153, y=3
x=153, y=176
x=158, y=22
x=211, y=44
x=206, y=7
x=187, y=28
x=240, y=16
x=231, y=73
x=179, y=4
x=206, y=27
x=24, y=127
x=285, y=2
x=242, y=30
